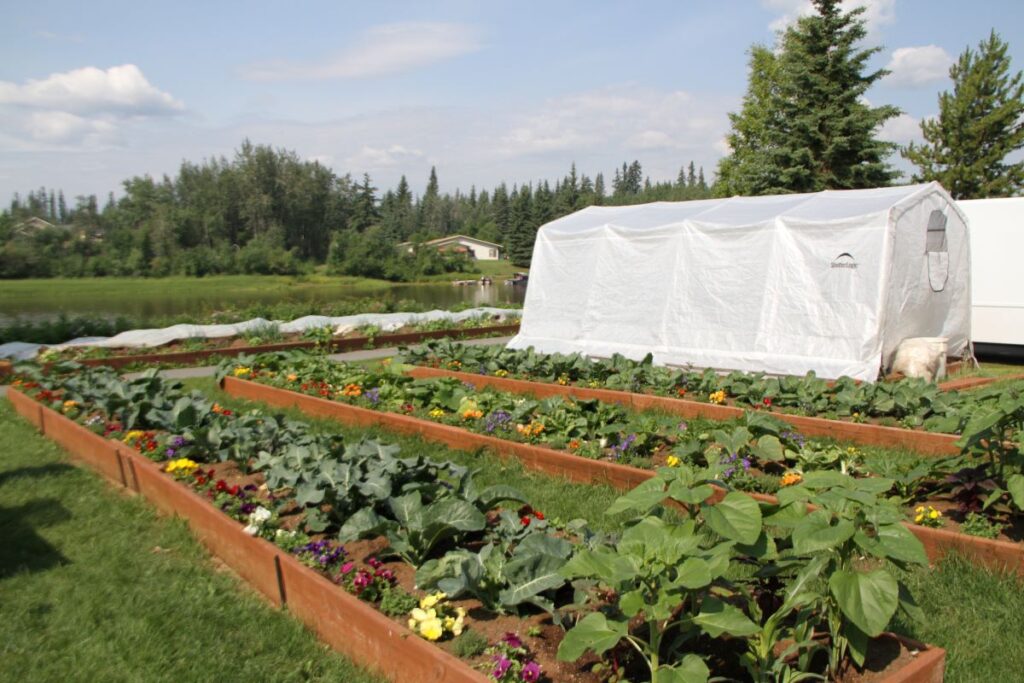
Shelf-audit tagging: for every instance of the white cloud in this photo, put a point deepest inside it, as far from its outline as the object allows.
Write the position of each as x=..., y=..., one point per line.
x=877, y=13
x=120, y=90
x=378, y=158
x=902, y=130
x=625, y=120
x=379, y=51
x=917, y=66
x=82, y=108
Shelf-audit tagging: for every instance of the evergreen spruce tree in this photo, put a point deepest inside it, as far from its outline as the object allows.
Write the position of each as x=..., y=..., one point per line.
x=804, y=125
x=979, y=124
x=599, y=189
x=364, y=209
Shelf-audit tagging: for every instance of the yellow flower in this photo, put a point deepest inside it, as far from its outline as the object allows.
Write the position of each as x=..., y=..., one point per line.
x=672, y=461
x=432, y=629
x=501, y=373
x=436, y=413
x=352, y=390
x=717, y=397
x=429, y=601
x=242, y=371
x=182, y=466
x=934, y=514
x=850, y=450
x=292, y=377
x=386, y=361
x=563, y=379
x=472, y=414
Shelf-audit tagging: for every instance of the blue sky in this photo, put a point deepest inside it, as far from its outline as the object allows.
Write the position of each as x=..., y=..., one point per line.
x=93, y=93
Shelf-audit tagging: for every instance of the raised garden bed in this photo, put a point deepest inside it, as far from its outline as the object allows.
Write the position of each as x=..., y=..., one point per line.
x=339, y=345
x=357, y=629
x=926, y=443
x=996, y=554
x=348, y=624
x=908, y=403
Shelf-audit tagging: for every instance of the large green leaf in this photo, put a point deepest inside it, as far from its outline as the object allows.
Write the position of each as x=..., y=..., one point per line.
x=717, y=617
x=594, y=632
x=736, y=517
x=816, y=533
x=691, y=670
x=641, y=499
x=603, y=564
x=693, y=573
x=868, y=599
x=529, y=576
x=1015, y=485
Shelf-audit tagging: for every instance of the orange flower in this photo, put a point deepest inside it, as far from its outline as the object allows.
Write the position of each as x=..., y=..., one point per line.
x=791, y=478
x=352, y=390
x=574, y=444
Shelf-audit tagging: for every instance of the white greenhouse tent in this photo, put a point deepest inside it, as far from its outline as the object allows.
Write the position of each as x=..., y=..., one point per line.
x=830, y=282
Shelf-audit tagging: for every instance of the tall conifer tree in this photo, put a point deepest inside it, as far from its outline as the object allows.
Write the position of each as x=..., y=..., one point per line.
x=979, y=124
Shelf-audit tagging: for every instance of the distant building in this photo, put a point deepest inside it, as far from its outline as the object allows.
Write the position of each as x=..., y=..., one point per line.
x=481, y=250
x=32, y=225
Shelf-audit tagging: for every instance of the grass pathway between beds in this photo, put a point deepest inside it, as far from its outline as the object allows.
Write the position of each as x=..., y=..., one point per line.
x=94, y=586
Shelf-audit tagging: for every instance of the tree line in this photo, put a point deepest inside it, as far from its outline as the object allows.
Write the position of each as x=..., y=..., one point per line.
x=804, y=126
x=267, y=211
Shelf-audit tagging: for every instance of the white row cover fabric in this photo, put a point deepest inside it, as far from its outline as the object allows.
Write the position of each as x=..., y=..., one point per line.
x=387, y=322
x=829, y=282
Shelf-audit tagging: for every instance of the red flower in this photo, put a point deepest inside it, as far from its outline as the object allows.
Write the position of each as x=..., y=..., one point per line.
x=234, y=490
x=767, y=402
x=538, y=514
x=226, y=412
x=221, y=485
x=151, y=445
x=525, y=521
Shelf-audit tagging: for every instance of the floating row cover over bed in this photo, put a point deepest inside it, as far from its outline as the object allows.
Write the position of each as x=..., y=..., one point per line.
x=829, y=282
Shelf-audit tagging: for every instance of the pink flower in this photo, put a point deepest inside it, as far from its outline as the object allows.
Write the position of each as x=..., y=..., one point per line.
x=512, y=640
x=347, y=567
x=502, y=665
x=531, y=672
x=374, y=562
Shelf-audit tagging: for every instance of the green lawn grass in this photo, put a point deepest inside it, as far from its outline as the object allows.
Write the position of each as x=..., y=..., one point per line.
x=95, y=587
x=976, y=614
x=66, y=292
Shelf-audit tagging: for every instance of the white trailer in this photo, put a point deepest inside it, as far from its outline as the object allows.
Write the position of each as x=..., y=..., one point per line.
x=997, y=274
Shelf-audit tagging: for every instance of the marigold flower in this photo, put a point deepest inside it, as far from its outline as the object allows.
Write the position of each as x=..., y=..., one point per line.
x=68, y=405
x=352, y=390
x=436, y=413
x=472, y=414
x=672, y=461
x=574, y=444
x=242, y=371
x=791, y=478
x=292, y=377
x=717, y=397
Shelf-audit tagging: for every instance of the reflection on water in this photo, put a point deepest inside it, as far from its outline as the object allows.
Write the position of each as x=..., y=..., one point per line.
x=440, y=296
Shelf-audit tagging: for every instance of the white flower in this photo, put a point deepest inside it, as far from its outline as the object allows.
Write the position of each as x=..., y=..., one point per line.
x=260, y=515
x=252, y=529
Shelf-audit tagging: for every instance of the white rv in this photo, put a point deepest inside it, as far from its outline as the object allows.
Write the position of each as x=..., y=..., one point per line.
x=997, y=272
